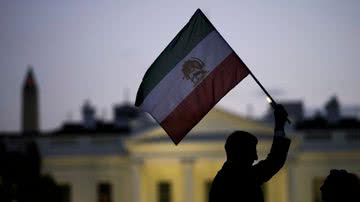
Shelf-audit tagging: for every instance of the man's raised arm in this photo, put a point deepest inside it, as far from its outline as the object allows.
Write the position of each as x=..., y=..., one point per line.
x=275, y=160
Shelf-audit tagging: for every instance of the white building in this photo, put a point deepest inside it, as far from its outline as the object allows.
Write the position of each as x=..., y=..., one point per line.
x=118, y=162
x=148, y=167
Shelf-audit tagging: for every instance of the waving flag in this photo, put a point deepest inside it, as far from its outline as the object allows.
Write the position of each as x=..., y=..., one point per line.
x=189, y=77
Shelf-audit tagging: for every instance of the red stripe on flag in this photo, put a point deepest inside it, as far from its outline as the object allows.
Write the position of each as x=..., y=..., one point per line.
x=200, y=101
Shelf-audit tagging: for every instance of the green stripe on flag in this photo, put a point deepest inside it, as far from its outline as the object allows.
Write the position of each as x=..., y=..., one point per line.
x=194, y=31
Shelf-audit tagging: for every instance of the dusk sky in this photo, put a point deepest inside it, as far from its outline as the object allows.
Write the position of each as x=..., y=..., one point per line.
x=99, y=51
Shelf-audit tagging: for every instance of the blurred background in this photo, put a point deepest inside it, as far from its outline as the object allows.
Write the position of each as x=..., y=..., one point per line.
x=70, y=70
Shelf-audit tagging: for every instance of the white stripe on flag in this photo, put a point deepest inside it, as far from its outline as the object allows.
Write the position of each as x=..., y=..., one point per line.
x=173, y=88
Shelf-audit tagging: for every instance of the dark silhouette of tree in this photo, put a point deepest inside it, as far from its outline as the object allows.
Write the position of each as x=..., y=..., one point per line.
x=21, y=179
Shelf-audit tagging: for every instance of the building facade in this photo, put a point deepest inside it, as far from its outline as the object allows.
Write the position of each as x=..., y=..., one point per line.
x=133, y=160
x=147, y=167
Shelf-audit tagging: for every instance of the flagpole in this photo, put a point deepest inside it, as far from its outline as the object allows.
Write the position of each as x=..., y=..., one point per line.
x=272, y=103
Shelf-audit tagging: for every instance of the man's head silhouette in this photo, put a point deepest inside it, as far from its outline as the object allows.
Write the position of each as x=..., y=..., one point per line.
x=240, y=148
x=340, y=186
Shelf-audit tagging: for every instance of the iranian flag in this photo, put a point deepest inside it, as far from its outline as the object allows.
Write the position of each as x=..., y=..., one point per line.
x=189, y=77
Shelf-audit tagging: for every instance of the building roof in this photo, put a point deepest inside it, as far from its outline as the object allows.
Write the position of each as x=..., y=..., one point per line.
x=100, y=128
x=216, y=125
x=319, y=122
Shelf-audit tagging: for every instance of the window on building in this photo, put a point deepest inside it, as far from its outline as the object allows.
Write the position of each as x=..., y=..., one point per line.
x=316, y=184
x=207, y=189
x=164, y=191
x=104, y=192
x=65, y=192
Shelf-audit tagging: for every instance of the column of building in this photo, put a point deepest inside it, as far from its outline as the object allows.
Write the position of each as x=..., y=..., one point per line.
x=136, y=179
x=188, y=166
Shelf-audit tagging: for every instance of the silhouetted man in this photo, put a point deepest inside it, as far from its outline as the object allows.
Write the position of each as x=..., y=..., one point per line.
x=340, y=186
x=239, y=179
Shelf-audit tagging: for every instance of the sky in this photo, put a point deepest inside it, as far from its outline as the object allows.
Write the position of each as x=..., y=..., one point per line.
x=99, y=51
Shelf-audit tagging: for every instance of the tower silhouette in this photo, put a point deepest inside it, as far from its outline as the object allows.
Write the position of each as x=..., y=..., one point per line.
x=30, y=104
